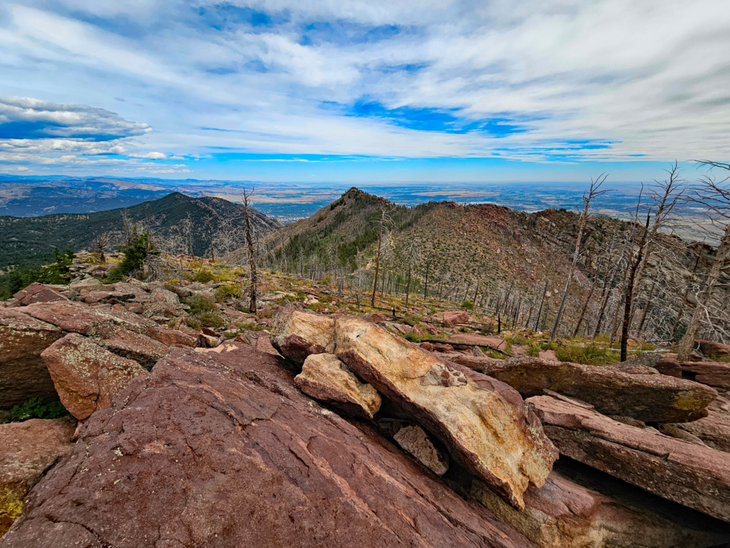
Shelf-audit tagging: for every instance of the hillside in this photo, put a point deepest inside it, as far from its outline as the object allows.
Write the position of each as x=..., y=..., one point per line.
x=492, y=256
x=175, y=221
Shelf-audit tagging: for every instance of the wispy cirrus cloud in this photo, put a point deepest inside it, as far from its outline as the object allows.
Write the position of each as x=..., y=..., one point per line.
x=532, y=80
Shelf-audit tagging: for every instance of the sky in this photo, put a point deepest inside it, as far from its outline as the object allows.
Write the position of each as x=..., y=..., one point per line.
x=363, y=91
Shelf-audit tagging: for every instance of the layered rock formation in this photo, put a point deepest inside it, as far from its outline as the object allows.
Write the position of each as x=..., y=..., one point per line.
x=221, y=449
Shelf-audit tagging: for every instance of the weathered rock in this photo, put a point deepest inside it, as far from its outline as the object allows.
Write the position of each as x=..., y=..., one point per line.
x=27, y=450
x=548, y=355
x=297, y=334
x=23, y=375
x=471, y=339
x=161, y=295
x=713, y=430
x=218, y=448
x=714, y=350
x=415, y=441
x=433, y=346
x=580, y=508
x=85, y=375
x=472, y=362
x=135, y=346
x=171, y=337
x=85, y=320
x=38, y=293
x=484, y=423
x=452, y=318
x=327, y=379
x=650, y=398
x=690, y=474
x=665, y=363
x=709, y=373
x=93, y=297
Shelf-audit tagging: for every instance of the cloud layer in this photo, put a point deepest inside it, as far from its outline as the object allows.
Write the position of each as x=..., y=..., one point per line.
x=529, y=80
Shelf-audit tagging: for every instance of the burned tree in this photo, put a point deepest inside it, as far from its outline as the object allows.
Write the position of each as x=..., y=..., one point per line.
x=251, y=255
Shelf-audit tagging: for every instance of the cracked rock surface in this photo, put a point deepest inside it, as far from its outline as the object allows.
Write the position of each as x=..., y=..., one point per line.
x=219, y=448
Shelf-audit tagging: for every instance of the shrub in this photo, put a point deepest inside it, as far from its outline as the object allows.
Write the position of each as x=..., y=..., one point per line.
x=36, y=408
x=229, y=291
x=468, y=305
x=589, y=354
x=201, y=303
x=533, y=350
x=413, y=337
x=211, y=319
x=136, y=253
x=204, y=276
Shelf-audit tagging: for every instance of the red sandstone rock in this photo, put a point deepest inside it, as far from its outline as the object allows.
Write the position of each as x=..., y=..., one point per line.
x=647, y=397
x=82, y=319
x=479, y=340
x=38, y=293
x=297, y=335
x=27, y=450
x=714, y=429
x=135, y=346
x=714, y=350
x=23, y=375
x=218, y=448
x=690, y=474
x=85, y=375
x=709, y=373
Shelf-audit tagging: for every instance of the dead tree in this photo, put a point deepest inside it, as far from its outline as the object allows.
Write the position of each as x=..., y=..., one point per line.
x=633, y=268
x=101, y=242
x=593, y=191
x=251, y=255
x=382, y=223
x=715, y=196
x=412, y=254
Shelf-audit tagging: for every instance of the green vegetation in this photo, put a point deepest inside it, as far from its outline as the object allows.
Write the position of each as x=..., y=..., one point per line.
x=228, y=291
x=204, y=276
x=54, y=273
x=136, y=252
x=36, y=408
x=203, y=313
x=468, y=305
x=590, y=354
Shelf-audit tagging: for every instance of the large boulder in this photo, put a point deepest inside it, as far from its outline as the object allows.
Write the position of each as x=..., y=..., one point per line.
x=38, y=293
x=296, y=334
x=687, y=473
x=85, y=320
x=327, y=379
x=23, y=375
x=484, y=422
x=27, y=450
x=452, y=317
x=87, y=376
x=135, y=346
x=709, y=373
x=646, y=397
x=219, y=448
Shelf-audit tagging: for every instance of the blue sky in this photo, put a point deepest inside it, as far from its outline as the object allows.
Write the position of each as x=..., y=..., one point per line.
x=363, y=91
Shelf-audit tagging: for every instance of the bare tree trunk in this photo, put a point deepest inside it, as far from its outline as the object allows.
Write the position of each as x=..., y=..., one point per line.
x=539, y=312
x=583, y=311
x=593, y=191
x=646, y=308
x=686, y=345
x=251, y=255
x=630, y=291
x=377, y=260
x=684, y=297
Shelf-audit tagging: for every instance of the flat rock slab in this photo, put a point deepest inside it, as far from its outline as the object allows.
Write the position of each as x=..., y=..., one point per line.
x=714, y=350
x=570, y=512
x=23, y=374
x=714, y=429
x=477, y=340
x=296, y=334
x=710, y=373
x=85, y=320
x=38, y=293
x=646, y=397
x=484, y=423
x=87, y=376
x=218, y=448
x=135, y=346
x=415, y=441
x=27, y=450
x=690, y=474
x=329, y=380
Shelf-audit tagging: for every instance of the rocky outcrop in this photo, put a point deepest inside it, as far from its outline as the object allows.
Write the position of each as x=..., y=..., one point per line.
x=452, y=318
x=85, y=320
x=580, y=508
x=327, y=379
x=484, y=422
x=299, y=334
x=219, y=448
x=85, y=375
x=711, y=373
x=712, y=430
x=27, y=450
x=470, y=339
x=135, y=346
x=690, y=474
x=646, y=397
x=23, y=375
x=38, y=293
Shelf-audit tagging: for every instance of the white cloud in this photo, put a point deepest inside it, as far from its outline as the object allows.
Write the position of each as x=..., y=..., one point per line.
x=649, y=78
x=150, y=156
